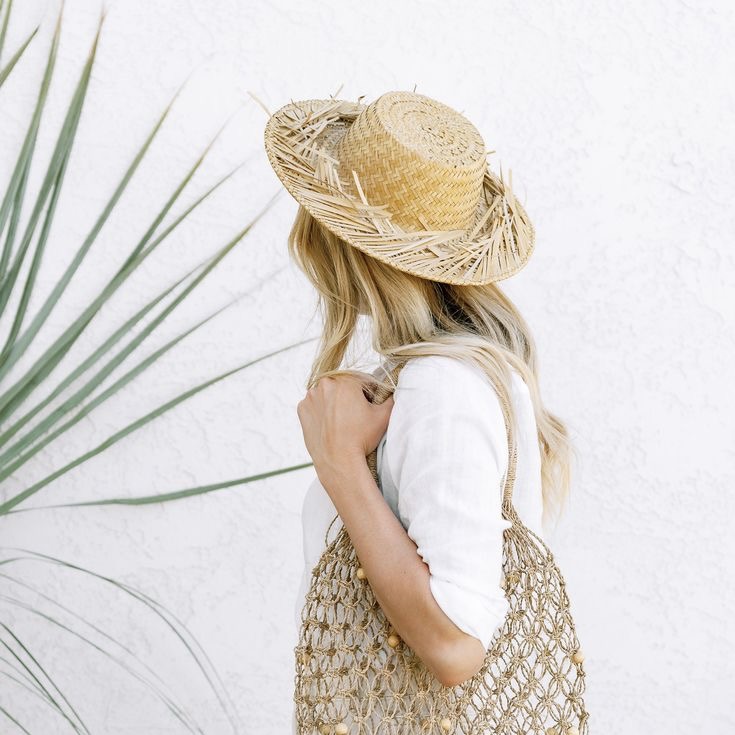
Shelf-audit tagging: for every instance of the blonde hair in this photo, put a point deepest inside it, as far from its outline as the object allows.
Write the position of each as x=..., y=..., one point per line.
x=414, y=316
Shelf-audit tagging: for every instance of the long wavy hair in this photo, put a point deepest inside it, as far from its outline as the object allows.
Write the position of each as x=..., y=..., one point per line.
x=414, y=316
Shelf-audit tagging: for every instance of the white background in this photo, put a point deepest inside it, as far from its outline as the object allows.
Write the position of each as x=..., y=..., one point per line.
x=616, y=120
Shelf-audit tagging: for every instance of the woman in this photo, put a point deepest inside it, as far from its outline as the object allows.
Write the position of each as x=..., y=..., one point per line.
x=429, y=534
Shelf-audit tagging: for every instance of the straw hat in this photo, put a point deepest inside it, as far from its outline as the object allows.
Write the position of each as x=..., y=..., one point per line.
x=405, y=179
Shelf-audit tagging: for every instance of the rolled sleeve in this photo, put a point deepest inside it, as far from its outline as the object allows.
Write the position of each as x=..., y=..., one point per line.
x=446, y=450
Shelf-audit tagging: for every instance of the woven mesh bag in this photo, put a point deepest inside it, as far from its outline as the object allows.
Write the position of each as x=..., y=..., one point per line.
x=355, y=676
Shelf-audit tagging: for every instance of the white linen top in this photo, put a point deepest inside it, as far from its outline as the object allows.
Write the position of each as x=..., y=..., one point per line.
x=441, y=465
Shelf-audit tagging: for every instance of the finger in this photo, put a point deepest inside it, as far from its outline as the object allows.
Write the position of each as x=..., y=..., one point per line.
x=387, y=404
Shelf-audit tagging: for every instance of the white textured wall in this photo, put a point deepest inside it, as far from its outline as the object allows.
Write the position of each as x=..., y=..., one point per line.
x=617, y=121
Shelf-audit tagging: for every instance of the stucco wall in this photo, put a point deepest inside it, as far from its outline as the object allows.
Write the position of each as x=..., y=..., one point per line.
x=616, y=119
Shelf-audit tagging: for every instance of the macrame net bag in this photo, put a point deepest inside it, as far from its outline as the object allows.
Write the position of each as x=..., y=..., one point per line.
x=355, y=676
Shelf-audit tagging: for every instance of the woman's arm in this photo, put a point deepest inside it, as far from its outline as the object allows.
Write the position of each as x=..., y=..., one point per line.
x=341, y=427
x=397, y=575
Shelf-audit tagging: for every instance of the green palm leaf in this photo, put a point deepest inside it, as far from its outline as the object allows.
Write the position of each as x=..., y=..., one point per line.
x=38, y=407
x=5, y=71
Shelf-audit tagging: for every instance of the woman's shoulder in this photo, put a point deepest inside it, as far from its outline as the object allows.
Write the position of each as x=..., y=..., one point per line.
x=449, y=373
x=427, y=367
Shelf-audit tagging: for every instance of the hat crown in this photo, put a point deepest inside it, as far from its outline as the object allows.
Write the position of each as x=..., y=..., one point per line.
x=422, y=159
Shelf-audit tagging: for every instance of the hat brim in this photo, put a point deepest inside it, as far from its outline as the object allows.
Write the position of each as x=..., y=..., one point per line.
x=300, y=141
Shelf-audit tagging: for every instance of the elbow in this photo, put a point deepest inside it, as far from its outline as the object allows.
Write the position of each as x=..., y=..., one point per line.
x=461, y=660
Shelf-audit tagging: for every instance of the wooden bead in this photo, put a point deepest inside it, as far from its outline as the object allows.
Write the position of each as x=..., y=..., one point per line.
x=552, y=731
x=572, y=730
x=361, y=573
x=324, y=729
x=446, y=724
x=341, y=729
x=578, y=656
x=393, y=640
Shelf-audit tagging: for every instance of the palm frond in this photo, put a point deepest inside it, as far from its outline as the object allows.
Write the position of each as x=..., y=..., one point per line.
x=122, y=433
x=38, y=408
x=34, y=669
x=171, y=622
x=175, y=495
x=5, y=70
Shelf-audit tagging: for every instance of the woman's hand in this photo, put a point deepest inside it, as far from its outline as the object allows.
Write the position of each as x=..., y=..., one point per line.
x=340, y=425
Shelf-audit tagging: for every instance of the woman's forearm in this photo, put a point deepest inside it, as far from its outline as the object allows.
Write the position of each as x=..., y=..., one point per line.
x=397, y=575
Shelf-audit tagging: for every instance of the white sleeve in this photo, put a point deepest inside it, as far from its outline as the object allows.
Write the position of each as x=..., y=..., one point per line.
x=446, y=450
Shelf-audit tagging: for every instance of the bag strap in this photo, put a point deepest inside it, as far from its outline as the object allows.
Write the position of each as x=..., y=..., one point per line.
x=508, y=510
x=383, y=392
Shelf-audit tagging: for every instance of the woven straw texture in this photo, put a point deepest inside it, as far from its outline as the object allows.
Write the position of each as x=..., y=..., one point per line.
x=406, y=180
x=355, y=676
